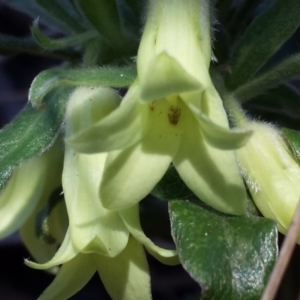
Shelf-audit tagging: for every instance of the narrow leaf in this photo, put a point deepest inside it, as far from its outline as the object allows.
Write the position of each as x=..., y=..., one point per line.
x=230, y=257
x=106, y=77
x=30, y=8
x=58, y=12
x=293, y=139
x=13, y=45
x=103, y=14
x=283, y=101
x=51, y=44
x=281, y=73
x=267, y=33
x=31, y=133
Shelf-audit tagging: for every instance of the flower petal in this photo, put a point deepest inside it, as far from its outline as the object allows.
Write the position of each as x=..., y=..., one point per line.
x=23, y=192
x=92, y=227
x=65, y=253
x=126, y=276
x=188, y=44
x=122, y=128
x=71, y=278
x=130, y=174
x=131, y=219
x=214, y=123
x=212, y=174
x=170, y=79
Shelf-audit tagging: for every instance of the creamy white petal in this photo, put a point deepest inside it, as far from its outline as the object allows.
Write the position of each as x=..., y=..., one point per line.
x=125, y=126
x=65, y=253
x=170, y=79
x=92, y=227
x=212, y=174
x=23, y=191
x=130, y=174
x=71, y=278
x=208, y=109
x=126, y=276
x=131, y=219
x=182, y=30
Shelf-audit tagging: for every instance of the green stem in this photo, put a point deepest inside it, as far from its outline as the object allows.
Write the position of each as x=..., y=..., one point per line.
x=236, y=114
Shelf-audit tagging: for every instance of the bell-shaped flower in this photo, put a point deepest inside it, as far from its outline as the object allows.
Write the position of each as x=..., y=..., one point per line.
x=32, y=182
x=271, y=173
x=110, y=242
x=171, y=114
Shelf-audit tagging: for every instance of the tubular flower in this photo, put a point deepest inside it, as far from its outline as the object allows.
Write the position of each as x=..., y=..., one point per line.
x=23, y=192
x=271, y=173
x=110, y=242
x=171, y=114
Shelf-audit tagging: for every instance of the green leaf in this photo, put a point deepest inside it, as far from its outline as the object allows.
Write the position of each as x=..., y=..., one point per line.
x=30, y=8
x=59, y=13
x=171, y=186
x=13, y=45
x=103, y=14
x=230, y=257
x=267, y=33
x=283, y=100
x=293, y=139
x=51, y=44
x=281, y=73
x=107, y=77
x=31, y=132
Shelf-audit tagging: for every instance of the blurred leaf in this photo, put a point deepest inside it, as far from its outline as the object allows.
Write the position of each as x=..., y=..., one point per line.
x=171, y=186
x=60, y=43
x=57, y=11
x=282, y=100
x=31, y=132
x=103, y=14
x=30, y=8
x=12, y=45
x=281, y=73
x=106, y=76
x=293, y=139
x=230, y=257
x=267, y=33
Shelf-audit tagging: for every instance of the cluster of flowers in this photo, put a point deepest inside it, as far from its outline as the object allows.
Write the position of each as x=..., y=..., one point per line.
x=116, y=151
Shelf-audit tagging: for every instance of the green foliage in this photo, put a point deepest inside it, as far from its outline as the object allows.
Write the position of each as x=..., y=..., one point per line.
x=57, y=11
x=281, y=73
x=31, y=133
x=267, y=33
x=47, y=80
x=171, y=186
x=10, y=45
x=52, y=44
x=293, y=139
x=230, y=257
x=103, y=14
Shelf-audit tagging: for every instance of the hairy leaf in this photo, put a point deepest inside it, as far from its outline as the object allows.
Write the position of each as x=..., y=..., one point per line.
x=50, y=79
x=293, y=139
x=231, y=257
x=281, y=73
x=267, y=33
x=31, y=132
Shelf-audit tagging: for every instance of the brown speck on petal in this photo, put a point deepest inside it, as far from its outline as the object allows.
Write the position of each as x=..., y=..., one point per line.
x=174, y=114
